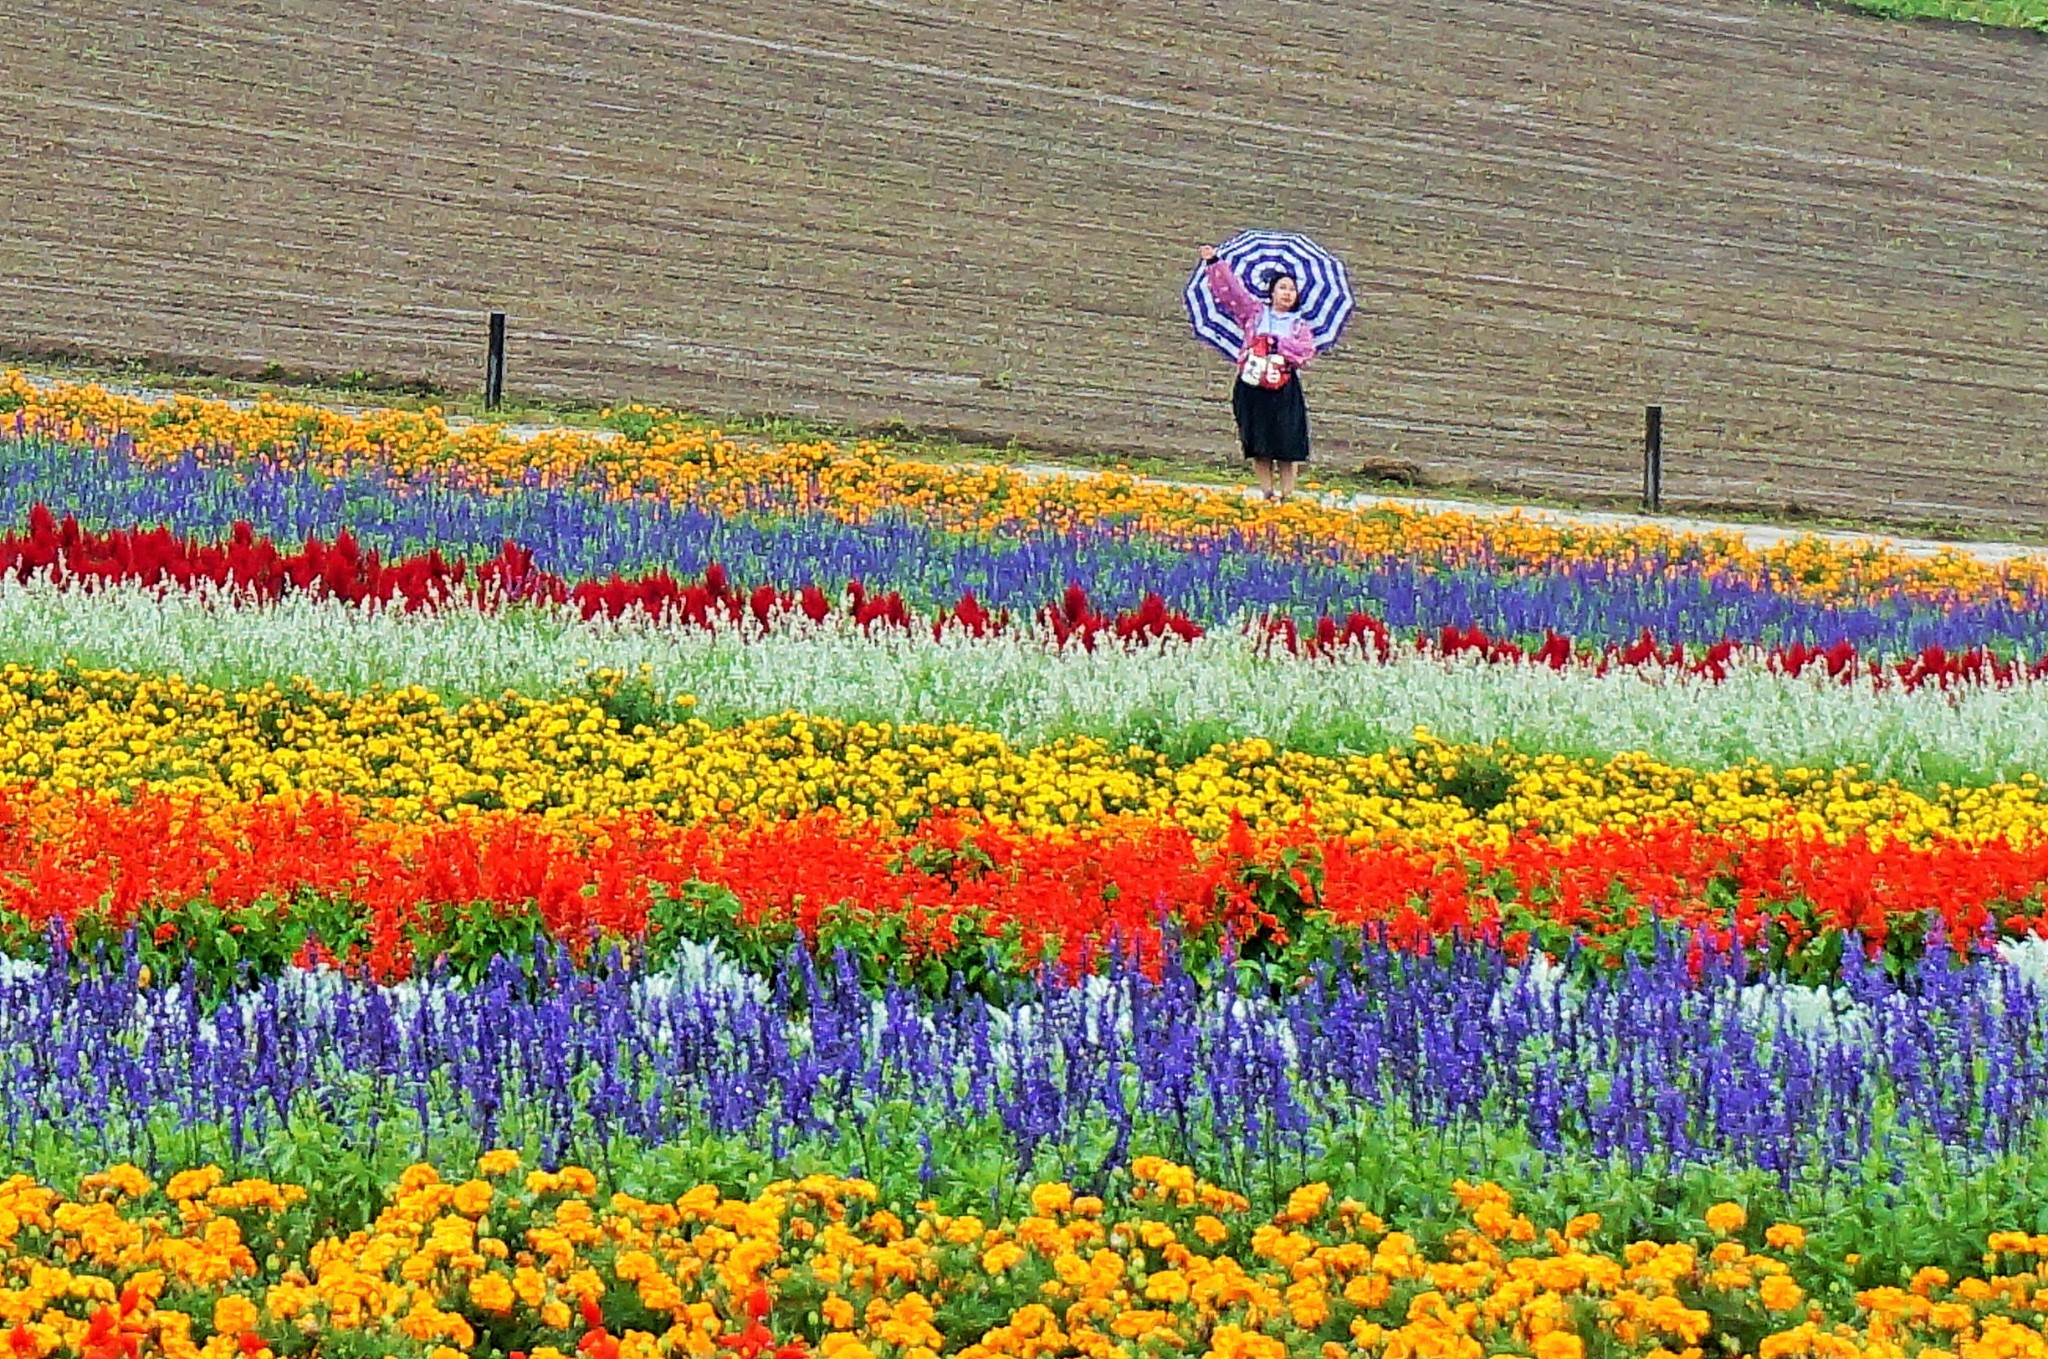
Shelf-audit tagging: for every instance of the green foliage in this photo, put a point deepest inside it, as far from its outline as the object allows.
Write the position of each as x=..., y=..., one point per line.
x=632, y=701
x=875, y=945
x=636, y=423
x=2023, y=14
x=1481, y=782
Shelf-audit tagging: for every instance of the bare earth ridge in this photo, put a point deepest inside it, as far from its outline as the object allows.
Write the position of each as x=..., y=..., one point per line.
x=1819, y=239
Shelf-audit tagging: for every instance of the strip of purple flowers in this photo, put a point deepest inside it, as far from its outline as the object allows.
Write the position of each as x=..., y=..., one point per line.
x=1662, y=1063
x=577, y=535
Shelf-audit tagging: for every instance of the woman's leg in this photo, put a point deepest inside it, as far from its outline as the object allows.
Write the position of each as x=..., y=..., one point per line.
x=1287, y=471
x=1264, y=468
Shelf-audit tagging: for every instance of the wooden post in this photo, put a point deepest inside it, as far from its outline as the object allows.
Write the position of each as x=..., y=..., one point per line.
x=1653, y=458
x=494, y=364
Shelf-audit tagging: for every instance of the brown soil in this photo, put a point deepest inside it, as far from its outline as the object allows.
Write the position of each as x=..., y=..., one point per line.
x=1820, y=240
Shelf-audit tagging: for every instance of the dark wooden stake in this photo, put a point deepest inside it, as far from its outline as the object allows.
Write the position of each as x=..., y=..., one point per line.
x=1653, y=458
x=494, y=364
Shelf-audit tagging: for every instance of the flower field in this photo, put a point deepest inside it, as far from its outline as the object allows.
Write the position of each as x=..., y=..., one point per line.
x=630, y=892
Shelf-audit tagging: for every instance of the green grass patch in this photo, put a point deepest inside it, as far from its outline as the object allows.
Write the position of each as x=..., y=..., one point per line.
x=2025, y=14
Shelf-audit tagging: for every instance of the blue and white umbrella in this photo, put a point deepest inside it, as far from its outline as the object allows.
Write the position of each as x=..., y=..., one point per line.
x=1258, y=257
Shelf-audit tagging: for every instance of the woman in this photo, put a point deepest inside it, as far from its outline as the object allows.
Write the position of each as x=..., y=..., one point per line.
x=1272, y=415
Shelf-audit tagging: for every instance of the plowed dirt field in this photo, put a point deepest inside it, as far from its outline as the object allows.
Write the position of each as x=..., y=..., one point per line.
x=1820, y=240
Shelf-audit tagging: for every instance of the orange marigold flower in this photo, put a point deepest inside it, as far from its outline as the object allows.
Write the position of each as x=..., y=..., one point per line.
x=498, y=1162
x=1785, y=1236
x=1780, y=1294
x=1726, y=1217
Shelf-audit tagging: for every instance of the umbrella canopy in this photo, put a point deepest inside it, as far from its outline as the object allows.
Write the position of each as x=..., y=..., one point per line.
x=1258, y=257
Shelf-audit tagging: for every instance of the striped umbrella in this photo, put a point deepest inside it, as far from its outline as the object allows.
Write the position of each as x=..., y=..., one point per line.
x=1258, y=257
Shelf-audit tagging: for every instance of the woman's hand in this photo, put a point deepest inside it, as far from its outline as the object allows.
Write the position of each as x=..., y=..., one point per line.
x=1208, y=254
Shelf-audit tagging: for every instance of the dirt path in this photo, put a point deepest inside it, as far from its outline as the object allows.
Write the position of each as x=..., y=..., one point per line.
x=1821, y=241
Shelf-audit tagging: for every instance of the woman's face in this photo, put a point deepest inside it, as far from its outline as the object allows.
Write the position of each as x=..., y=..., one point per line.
x=1285, y=294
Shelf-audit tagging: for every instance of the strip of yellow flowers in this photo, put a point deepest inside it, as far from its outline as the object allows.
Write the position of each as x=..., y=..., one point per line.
x=205, y=1270
x=415, y=756
x=672, y=456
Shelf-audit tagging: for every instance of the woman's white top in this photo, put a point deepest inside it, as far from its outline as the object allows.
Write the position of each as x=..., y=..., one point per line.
x=1274, y=322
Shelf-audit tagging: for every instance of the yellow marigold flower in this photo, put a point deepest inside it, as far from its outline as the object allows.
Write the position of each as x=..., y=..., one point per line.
x=1000, y=1257
x=1497, y=1222
x=1582, y=1226
x=124, y=1181
x=192, y=1184
x=1304, y=1204
x=1236, y=1342
x=961, y=1231
x=1559, y=1345
x=1726, y=1218
x=417, y=1177
x=840, y=1345
x=1167, y=1285
x=1287, y=1248
x=493, y=1293
x=1308, y=1306
x=1049, y=1200
x=1486, y=1191
x=1927, y=1280
x=472, y=1198
x=1135, y=1323
x=1780, y=1294
x=234, y=1314
x=1785, y=1236
x=837, y=1311
x=285, y=1301
x=1359, y=1218
x=1369, y=1290
x=1211, y=1230
x=530, y=1284
x=497, y=1163
x=554, y=1314
x=584, y=1285
x=1951, y=1316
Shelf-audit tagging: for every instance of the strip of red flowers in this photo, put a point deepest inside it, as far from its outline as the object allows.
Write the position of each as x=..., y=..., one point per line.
x=260, y=569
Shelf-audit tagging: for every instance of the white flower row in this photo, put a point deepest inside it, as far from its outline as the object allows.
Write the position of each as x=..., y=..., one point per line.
x=701, y=974
x=1179, y=698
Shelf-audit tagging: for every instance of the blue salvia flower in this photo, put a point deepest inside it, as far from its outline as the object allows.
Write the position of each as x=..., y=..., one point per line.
x=1651, y=1064
x=578, y=534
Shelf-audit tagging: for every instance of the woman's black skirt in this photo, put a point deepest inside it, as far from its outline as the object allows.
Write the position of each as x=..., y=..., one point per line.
x=1272, y=422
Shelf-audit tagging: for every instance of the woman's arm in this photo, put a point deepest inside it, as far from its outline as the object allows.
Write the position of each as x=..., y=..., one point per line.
x=1298, y=345
x=1232, y=295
